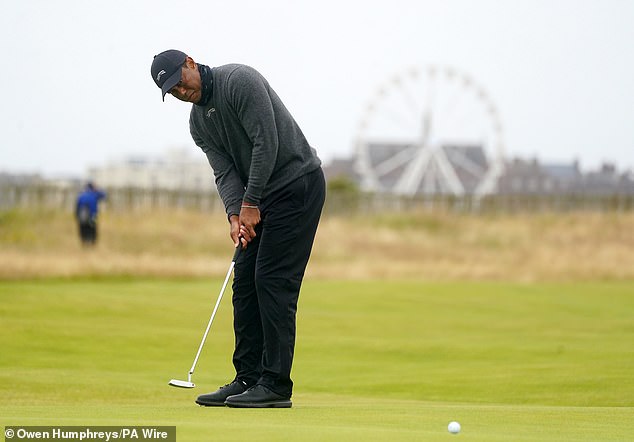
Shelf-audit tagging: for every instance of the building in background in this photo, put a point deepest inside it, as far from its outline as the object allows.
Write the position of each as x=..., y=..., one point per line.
x=530, y=177
x=176, y=169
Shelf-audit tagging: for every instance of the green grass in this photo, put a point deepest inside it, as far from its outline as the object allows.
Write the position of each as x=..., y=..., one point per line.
x=375, y=360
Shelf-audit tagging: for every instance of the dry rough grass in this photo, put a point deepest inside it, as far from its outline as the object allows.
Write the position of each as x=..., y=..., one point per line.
x=574, y=246
x=434, y=246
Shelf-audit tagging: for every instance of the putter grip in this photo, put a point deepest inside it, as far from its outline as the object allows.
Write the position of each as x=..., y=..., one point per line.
x=237, y=253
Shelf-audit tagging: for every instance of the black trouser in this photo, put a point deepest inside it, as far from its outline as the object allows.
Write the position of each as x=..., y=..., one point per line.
x=267, y=279
x=88, y=232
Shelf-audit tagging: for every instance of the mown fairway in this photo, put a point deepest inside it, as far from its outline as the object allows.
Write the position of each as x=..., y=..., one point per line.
x=375, y=360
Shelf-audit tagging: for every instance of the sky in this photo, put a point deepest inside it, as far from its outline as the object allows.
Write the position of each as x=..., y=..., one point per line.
x=78, y=91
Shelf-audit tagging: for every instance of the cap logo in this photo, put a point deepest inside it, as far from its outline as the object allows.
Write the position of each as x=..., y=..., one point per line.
x=158, y=77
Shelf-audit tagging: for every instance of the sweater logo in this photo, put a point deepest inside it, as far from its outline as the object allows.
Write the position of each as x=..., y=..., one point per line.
x=211, y=111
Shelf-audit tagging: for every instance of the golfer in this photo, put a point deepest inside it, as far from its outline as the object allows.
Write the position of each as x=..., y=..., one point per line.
x=273, y=189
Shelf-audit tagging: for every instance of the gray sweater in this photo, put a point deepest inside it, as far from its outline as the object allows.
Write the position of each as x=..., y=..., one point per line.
x=252, y=142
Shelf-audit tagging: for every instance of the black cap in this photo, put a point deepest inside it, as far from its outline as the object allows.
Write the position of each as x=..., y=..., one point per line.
x=166, y=69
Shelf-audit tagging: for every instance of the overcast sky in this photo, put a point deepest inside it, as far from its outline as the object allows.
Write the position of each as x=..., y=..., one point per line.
x=77, y=88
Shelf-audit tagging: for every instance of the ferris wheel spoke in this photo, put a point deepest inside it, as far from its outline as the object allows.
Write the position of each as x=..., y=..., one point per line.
x=414, y=108
x=394, y=162
x=395, y=108
x=462, y=118
x=447, y=111
x=429, y=179
x=469, y=121
x=458, y=110
x=448, y=172
x=397, y=117
x=430, y=98
x=414, y=172
x=467, y=164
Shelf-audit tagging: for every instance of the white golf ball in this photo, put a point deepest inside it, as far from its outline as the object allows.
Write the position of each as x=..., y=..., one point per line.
x=453, y=427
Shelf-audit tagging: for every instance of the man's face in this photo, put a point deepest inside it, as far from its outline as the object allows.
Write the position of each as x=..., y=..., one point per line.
x=189, y=89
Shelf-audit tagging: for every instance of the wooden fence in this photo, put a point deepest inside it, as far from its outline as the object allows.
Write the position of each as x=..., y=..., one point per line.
x=55, y=197
x=127, y=199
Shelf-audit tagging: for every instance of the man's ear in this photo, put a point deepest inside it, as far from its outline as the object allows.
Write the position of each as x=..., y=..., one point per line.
x=190, y=63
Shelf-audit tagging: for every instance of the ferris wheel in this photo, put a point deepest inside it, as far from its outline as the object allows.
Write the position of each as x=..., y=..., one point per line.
x=431, y=131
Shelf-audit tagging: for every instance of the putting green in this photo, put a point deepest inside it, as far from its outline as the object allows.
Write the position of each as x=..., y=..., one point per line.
x=375, y=360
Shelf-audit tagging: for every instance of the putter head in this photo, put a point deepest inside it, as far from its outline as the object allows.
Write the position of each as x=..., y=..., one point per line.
x=181, y=384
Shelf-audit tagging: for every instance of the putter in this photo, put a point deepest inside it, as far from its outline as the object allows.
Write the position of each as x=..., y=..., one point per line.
x=188, y=383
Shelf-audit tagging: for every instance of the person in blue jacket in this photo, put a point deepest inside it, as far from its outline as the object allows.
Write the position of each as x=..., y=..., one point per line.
x=86, y=211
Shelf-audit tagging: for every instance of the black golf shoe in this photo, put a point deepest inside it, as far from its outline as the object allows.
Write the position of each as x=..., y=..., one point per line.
x=218, y=397
x=258, y=396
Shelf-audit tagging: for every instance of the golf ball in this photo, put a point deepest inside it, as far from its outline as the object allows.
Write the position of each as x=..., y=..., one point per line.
x=453, y=427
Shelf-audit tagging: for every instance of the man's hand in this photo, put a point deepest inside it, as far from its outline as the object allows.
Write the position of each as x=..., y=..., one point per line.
x=243, y=226
x=235, y=232
x=249, y=218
